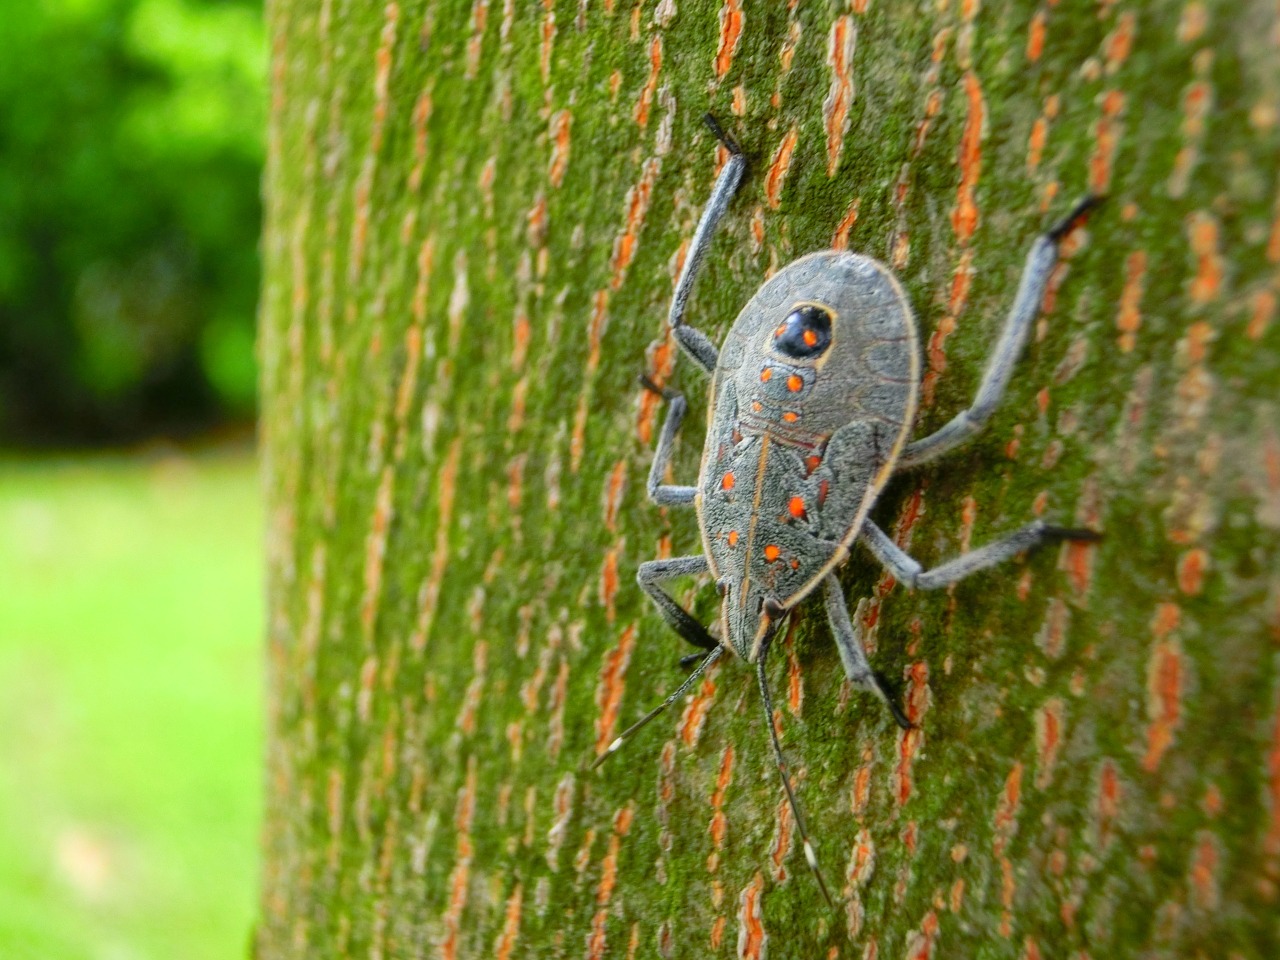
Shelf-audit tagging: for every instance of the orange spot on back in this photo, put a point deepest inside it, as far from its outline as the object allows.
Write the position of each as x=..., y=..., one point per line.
x=733, y=538
x=790, y=417
x=727, y=481
x=771, y=552
x=794, y=383
x=766, y=374
x=796, y=507
x=813, y=462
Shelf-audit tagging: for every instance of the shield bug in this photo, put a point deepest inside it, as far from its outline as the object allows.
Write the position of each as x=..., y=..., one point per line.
x=813, y=399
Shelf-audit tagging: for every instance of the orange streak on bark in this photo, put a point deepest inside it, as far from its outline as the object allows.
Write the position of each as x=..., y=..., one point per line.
x=777, y=173
x=421, y=115
x=1202, y=231
x=613, y=488
x=561, y=122
x=610, y=688
x=651, y=86
x=1036, y=141
x=1129, y=317
x=1264, y=311
x=1006, y=816
x=1273, y=786
x=1107, y=805
x=730, y=34
x=782, y=840
x=376, y=549
x=511, y=924
x=661, y=363
x=921, y=943
x=964, y=219
x=595, y=332
x=637, y=206
x=840, y=239
x=429, y=593
x=917, y=701
x=752, y=937
x=1164, y=688
x=694, y=717
x=1191, y=569
x=609, y=582
x=1203, y=875
x=1035, y=36
x=1118, y=45
x=548, y=39
x=835, y=109
x=1106, y=135
x=1049, y=733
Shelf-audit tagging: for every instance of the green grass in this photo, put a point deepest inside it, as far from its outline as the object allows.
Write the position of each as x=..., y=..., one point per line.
x=130, y=706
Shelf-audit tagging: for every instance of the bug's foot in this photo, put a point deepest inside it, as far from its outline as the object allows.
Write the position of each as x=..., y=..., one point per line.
x=666, y=393
x=1077, y=534
x=714, y=126
x=891, y=702
x=691, y=660
x=1076, y=217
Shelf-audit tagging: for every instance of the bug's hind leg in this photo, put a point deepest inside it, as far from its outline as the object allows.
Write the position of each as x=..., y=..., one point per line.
x=654, y=572
x=667, y=494
x=1026, y=305
x=852, y=654
x=694, y=342
x=908, y=571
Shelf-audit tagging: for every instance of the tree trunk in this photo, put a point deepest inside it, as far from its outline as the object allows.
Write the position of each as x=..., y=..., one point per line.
x=476, y=212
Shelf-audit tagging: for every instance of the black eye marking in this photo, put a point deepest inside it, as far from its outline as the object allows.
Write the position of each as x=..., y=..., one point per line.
x=805, y=333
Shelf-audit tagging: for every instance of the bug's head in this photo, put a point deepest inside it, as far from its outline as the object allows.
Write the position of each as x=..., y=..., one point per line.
x=747, y=617
x=804, y=333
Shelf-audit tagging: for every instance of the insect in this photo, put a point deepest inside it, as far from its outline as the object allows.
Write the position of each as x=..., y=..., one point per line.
x=813, y=398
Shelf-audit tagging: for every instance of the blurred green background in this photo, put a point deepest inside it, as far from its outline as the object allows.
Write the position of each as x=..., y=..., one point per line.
x=130, y=153
x=130, y=526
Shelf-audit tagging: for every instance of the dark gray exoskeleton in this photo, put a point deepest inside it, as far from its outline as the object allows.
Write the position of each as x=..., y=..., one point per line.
x=813, y=398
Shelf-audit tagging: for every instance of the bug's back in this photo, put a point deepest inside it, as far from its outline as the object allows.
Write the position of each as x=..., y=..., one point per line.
x=813, y=397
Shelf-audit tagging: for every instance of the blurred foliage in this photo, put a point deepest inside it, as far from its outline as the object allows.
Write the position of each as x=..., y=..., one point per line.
x=130, y=153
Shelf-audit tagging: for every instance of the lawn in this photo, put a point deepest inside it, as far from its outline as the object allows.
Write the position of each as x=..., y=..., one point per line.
x=131, y=619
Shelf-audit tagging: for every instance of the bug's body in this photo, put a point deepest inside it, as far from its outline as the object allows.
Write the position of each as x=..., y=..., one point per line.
x=798, y=447
x=813, y=398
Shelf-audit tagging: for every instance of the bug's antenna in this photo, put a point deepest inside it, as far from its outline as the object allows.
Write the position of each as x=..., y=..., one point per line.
x=622, y=738
x=809, y=855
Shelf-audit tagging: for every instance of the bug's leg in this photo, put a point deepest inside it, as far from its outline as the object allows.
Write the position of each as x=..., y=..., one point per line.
x=705, y=660
x=909, y=572
x=654, y=572
x=666, y=494
x=1026, y=306
x=695, y=343
x=852, y=653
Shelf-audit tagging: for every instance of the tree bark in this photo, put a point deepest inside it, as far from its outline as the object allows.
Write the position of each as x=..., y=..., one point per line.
x=476, y=212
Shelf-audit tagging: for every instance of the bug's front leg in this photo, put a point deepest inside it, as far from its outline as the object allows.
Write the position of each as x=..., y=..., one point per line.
x=907, y=570
x=694, y=342
x=852, y=654
x=654, y=572
x=1026, y=305
x=667, y=494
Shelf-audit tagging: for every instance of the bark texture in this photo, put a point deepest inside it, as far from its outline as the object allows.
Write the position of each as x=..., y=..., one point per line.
x=476, y=211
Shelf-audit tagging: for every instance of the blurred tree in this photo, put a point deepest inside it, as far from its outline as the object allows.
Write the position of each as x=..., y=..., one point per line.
x=130, y=152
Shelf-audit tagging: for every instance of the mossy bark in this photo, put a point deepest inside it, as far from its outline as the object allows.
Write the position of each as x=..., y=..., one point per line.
x=475, y=214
